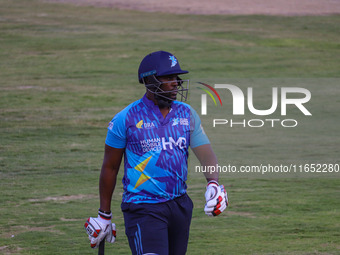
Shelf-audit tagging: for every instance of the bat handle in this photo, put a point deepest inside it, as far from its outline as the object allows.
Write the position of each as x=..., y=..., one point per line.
x=101, y=249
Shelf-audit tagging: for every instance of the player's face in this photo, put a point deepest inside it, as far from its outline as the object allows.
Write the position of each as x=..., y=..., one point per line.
x=169, y=83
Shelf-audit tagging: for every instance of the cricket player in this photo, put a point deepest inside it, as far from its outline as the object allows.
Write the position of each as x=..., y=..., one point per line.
x=153, y=135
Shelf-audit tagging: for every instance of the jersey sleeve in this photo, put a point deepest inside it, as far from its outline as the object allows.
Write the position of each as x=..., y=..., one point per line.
x=197, y=134
x=116, y=132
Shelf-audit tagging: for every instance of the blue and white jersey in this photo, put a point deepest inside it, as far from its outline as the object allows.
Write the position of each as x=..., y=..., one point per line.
x=156, y=149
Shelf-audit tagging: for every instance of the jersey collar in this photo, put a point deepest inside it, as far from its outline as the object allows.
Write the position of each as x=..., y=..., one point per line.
x=151, y=105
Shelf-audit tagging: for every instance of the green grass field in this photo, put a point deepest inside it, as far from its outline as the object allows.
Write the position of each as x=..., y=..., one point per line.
x=66, y=70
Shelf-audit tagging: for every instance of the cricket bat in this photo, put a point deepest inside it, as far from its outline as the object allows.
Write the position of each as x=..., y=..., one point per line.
x=101, y=249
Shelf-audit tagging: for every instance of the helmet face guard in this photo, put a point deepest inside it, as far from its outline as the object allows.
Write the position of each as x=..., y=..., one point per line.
x=165, y=98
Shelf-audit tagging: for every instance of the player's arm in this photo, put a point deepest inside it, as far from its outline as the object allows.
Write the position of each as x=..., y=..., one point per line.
x=216, y=196
x=200, y=145
x=101, y=227
x=115, y=144
x=108, y=176
x=207, y=157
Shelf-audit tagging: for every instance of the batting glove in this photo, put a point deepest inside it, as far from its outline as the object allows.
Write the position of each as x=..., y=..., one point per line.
x=100, y=228
x=216, y=199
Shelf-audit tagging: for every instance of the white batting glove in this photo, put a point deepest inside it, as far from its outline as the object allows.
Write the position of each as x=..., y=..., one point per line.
x=100, y=228
x=216, y=199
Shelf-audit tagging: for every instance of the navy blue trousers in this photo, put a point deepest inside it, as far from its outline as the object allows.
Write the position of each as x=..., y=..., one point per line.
x=161, y=229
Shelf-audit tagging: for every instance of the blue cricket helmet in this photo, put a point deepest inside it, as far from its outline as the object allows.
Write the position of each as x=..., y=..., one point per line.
x=159, y=63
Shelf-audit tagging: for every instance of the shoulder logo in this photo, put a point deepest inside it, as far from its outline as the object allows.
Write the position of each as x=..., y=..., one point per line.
x=202, y=129
x=111, y=125
x=173, y=61
x=139, y=124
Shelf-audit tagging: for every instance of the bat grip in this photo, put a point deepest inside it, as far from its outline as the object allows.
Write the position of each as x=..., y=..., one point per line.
x=101, y=248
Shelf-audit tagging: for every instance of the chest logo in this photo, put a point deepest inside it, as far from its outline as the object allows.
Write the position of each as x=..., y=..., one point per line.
x=175, y=122
x=147, y=125
x=181, y=121
x=171, y=143
x=139, y=124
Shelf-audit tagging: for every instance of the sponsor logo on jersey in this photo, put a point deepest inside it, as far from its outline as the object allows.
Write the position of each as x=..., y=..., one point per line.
x=153, y=144
x=180, y=143
x=184, y=121
x=146, y=125
x=157, y=144
x=175, y=121
x=181, y=121
x=139, y=124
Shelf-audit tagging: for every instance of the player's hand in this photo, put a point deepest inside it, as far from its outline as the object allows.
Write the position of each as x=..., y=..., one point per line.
x=100, y=228
x=216, y=199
